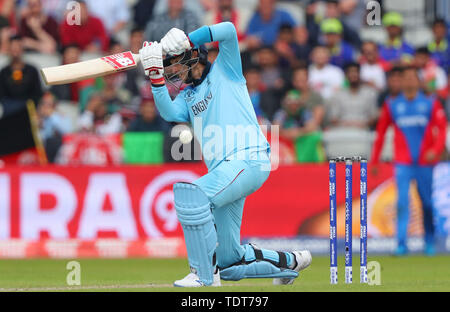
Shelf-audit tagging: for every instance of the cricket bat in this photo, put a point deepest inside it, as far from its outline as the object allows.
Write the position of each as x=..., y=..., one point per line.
x=90, y=69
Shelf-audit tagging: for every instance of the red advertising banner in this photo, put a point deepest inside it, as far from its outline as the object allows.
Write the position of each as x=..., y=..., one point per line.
x=133, y=203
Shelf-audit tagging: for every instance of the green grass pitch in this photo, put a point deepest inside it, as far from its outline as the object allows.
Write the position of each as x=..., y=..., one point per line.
x=414, y=273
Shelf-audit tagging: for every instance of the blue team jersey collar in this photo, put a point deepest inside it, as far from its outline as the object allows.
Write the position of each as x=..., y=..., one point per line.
x=419, y=95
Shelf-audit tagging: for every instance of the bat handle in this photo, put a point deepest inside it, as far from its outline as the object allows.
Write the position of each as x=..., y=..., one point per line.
x=137, y=58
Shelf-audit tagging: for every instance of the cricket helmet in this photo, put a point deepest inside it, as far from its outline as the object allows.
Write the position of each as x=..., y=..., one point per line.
x=175, y=66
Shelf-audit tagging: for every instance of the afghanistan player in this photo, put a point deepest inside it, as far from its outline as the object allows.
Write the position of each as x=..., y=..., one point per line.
x=216, y=103
x=420, y=129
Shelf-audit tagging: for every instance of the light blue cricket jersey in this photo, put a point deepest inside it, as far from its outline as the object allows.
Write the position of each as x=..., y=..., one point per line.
x=219, y=109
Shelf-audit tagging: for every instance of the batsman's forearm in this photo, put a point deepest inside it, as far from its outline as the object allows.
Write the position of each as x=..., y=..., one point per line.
x=168, y=110
x=163, y=102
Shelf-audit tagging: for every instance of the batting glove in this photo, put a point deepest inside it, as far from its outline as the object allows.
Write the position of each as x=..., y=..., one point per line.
x=152, y=61
x=175, y=42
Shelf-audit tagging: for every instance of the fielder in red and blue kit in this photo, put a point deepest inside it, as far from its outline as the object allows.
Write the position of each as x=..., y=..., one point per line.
x=419, y=139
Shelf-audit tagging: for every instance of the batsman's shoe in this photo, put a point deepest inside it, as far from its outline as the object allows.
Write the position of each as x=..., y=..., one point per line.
x=192, y=280
x=303, y=259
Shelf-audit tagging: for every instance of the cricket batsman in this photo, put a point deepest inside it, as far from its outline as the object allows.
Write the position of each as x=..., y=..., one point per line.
x=419, y=128
x=210, y=209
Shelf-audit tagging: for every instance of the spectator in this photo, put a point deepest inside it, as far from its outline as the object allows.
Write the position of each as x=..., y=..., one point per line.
x=302, y=48
x=353, y=13
x=52, y=125
x=355, y=106
x=265, y=24
x=294, y=118
x=176, y=16
x=143, y=12
x=272, y=75
x=90, y=35
x=300, y=82
x=97, y=119
x=7, y=13
x=53, y=8
x=350, y=35
x=439, y=48
x=115, y=47
x=114, y=16
x=39, y=32
x=395, y=49
x=69, y=92
x=7, y=24
x=5, y=34
x=19, y=80
x=148, y=119
x=128, y=81
x=200, y=7
x=341, y=52
x=332, y=10
x=286, y=47
x=135, y=77
x=114, y=93
x=226, y=12
x=394, y=86
x=256, y=90
x=324, y=78
x=372, y=71
x=136, y=39
x=303, y=110
x=128, y=115
x=433, y=77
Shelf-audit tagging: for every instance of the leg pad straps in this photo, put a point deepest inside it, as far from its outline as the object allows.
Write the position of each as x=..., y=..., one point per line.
x=258, y=267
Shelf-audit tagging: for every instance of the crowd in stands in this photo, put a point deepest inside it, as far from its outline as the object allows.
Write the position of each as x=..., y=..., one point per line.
x=307, y=77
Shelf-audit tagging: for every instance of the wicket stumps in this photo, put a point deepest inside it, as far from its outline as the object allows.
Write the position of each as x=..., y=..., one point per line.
x=363, y=222
x=348, y=219
x=333, y=234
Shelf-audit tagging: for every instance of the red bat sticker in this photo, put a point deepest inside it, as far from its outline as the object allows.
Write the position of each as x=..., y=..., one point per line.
x=121, y=60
